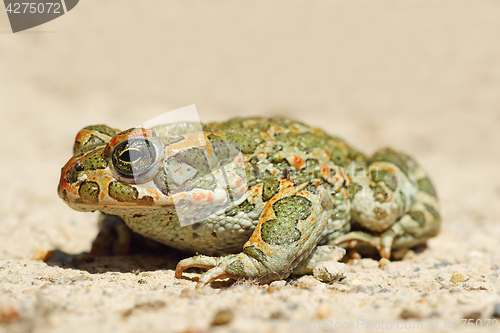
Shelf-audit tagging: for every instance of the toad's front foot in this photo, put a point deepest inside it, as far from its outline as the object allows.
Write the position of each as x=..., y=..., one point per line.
x=232, y=266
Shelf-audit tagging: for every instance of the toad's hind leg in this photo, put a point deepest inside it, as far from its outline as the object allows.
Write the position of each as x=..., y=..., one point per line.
x=289, y=228
x=394, y=205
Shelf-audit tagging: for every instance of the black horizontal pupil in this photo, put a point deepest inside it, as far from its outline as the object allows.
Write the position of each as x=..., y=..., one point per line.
x=131, y=155
x=134, y=157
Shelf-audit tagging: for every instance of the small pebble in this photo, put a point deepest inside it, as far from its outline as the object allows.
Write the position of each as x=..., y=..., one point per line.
x=188, y=293
x=383, y=262
x=439, y=277
x=475, y=315
x=329, y=271
x=308, y=282
x=323, y=311
x=496, y=310
x=457, y=277
x=205, y=291
x=363, y=289
x=278, y=315
x=278, y=284
x=368, y=263
x=356, y=282
x=409, y=314
x=443, y=264
x=223, y=317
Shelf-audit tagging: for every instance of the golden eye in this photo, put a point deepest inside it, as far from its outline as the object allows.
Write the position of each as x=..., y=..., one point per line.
x=134, y=157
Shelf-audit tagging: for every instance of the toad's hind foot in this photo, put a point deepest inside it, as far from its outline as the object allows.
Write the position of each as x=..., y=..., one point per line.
x=396, y=206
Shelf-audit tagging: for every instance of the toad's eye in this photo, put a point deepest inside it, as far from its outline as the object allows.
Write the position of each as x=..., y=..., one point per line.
x=135, y=158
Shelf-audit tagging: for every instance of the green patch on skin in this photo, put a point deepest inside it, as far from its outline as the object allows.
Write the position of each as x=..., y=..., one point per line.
x=288, y=211
x=418, y=216
x=92, y=141
x=433, y=212
x=353, y=189
x=122, y=192
x=313, y=188
x=276, y=158
x=93, y=163
x=236, y=268
x=338, y=156
x=246, y=144
x=225, y=152
x=388, y=178
x=245, y=206
x=312, y=169
x=425, y=185
x=72, y=175
x=391, y=157
x=89, y=192
x=89, y=163
x=356, y=156
x=380, y=194
x=102, y=129
x=254, y=252
x=196, y=158
x=270, y=189
x=161, y=182
x=304, y=142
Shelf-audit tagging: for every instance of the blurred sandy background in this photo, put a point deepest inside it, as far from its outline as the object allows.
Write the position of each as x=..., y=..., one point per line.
x=423, y=77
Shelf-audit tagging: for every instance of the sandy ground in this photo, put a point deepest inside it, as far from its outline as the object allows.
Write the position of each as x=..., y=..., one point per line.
x=423, y=77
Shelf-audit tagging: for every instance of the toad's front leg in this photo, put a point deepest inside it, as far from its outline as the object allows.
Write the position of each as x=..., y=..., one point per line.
x=289, y=229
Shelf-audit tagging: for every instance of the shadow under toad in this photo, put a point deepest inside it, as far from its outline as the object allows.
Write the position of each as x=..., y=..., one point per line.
x=135, y=261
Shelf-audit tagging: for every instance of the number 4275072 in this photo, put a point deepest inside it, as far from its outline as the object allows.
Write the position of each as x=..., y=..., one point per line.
x=454, y=324
x=33, y=8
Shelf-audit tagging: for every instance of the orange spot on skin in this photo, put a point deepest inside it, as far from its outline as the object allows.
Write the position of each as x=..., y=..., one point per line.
x=137, y=133
x=237, y=181
x=342, y=176
x=201, y=196
x=155, y=194
x=325, y=172
x=180, y=195
x=295, y=161
x=261, y=155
